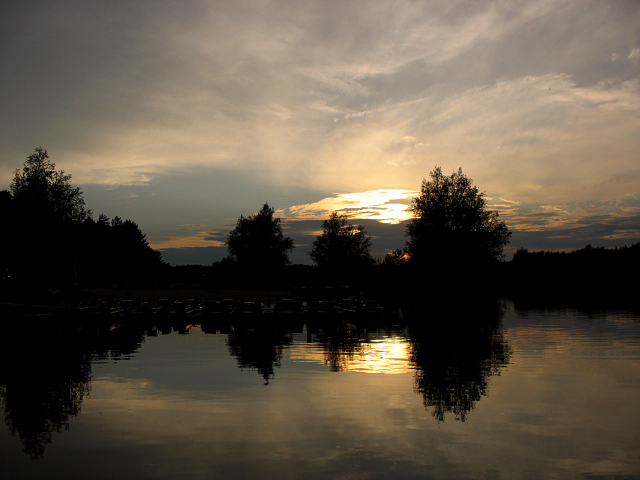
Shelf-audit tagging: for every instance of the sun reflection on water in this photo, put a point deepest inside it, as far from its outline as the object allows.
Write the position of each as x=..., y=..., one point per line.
x=389, y=355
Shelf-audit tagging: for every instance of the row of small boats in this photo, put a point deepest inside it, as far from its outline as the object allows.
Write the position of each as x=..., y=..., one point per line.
x=193, y=307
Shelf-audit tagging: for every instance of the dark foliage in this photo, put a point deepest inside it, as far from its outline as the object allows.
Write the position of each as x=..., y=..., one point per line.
x=452, y=224
x=341, y=245
x=260, y=348
x=50, y=238
x=395, y=258
x=455, y=352
x=258, y=241
x=43, y=382
x=44, y=193
x=589, y=256
x=598, y=276
x=116, y=252
x=42, y=391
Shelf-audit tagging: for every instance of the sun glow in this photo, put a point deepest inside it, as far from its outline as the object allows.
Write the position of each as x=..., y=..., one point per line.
x=386, y=206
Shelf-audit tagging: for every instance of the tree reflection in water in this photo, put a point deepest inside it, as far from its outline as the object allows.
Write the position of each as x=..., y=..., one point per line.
x=43, y=382
x=43, y=388
x=455, y=351
x=259, y=347
x=341, y=343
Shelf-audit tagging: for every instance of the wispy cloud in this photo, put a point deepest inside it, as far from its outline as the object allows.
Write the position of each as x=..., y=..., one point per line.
x=192, y=238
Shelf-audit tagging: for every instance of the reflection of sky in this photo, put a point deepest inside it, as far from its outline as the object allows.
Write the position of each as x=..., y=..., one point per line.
x=181, y=408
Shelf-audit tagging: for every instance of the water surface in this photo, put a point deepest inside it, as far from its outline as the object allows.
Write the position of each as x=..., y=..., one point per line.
x=498, y=394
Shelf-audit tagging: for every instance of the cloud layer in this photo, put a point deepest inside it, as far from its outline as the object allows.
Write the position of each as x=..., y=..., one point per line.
x=205, y=110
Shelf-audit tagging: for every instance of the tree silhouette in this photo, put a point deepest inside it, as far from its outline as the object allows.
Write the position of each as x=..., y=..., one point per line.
x=588, y=275
x=41, y=214
x=258, y=241
x=47, y=192
x=341, y=244
x=133, y=255
x=452, y=223
x=396, y=257
x=53, y=240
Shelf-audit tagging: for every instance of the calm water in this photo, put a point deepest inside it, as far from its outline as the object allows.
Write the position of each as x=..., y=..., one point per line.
x=516, y=395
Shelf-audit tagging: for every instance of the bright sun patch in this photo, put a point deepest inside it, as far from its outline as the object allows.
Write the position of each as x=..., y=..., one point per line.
x=386, y=206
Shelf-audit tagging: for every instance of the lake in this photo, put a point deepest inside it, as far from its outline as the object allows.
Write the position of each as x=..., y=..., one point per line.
x=499, y=392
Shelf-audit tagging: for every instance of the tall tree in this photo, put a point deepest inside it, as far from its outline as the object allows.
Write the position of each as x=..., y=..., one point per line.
x=341, y=244
x=452, y=223
x=44, y=210
x=133, y=257
x=41, y=190
x=258, y=241
x=53, y=240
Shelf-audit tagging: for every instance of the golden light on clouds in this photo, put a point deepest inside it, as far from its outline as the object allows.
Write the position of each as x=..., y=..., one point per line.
x=385, y=205
x=195, y=239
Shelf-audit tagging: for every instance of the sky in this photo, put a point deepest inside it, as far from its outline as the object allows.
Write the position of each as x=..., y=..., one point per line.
x=182, y=116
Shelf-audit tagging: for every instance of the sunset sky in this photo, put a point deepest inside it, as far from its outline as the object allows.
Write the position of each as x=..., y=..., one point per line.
x=184, y=115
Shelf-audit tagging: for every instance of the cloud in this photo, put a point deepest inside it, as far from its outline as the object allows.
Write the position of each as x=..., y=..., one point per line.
x=218, y=83
x=615, y=219
x=198, y=239
x=386, y=206
x=538, y=102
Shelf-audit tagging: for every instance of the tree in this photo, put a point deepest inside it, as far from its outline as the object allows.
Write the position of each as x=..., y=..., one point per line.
x=396, y=257
x=133, y=257
x=44, y=212
x=115, y=252
x=452, y=223
x=341, y=244
x=53, y=240
x=41, y=190
x=258, y=241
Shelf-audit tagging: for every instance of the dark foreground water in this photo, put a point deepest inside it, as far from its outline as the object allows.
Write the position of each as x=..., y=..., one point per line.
x=510, y=394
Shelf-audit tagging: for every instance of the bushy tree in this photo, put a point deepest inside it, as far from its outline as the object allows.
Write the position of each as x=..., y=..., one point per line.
x=258, y=241
x=41, y=190
x=396, y=257
x=41, y=216
x=52, y=239
x=341, y=244
x=452, y=223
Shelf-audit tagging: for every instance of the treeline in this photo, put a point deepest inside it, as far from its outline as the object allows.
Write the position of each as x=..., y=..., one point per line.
x=454, y=244
x=585, y=258
x=591, y=273
x=50, y=239
x=451, y=230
